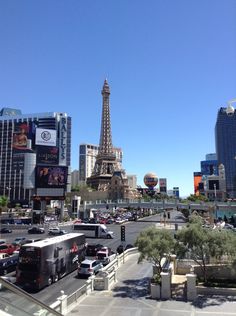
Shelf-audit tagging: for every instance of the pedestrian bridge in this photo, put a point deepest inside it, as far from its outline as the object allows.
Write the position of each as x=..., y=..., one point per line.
x=160, y=205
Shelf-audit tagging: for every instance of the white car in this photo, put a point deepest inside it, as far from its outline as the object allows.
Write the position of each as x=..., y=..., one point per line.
x=55, y=231
x=89, y=267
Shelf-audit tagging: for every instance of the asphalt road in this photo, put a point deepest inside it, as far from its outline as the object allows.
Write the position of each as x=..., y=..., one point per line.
x=71, y=282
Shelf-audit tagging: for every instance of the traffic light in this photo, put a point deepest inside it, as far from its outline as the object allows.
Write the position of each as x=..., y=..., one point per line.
x=122, y=233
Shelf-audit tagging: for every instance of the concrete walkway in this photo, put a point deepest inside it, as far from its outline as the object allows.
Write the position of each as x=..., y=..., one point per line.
x=130, y=297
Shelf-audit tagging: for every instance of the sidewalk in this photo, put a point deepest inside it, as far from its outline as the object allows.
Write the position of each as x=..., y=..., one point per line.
x=130, y=296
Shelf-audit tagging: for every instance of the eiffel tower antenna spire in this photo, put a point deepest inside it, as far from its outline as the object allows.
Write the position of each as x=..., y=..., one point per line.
x=105, y=145
x=106, y=162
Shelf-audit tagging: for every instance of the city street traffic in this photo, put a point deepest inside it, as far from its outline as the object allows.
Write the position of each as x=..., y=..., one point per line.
x=71, y=282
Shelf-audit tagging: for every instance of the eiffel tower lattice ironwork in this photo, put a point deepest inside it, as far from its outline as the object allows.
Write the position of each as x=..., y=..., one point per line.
x=106, y=162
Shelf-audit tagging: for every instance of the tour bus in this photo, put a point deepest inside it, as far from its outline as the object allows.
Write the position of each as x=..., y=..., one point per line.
x=94, y=230
x=43, y=262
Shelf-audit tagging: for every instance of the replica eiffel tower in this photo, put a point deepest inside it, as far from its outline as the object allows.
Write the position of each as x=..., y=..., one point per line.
x=106, y=162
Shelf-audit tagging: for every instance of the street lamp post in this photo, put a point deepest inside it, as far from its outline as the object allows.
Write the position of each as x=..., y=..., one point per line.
x=215, y=201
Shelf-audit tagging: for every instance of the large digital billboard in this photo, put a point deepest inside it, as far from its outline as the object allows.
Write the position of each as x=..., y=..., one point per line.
x=51, y=177
x=163, y=185
x=209, y=167
x=197, y=179
x=22, y=136
x=46, y=137
x=21, y=144
x=47, y=155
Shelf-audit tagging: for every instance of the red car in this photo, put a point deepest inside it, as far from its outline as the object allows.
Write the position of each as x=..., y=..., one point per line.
x=8, y=248
x=102, y=221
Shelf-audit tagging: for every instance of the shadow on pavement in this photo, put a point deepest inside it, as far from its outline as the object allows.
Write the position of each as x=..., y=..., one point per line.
x=214, y=300
x=133, y=289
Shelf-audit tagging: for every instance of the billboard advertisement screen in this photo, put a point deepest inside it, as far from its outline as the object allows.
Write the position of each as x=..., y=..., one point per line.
x=209, y=167
x=21, y=144
x=47, y=155
x=51, y=177
x=46, y=137
x=197, y=180
x=22, y=135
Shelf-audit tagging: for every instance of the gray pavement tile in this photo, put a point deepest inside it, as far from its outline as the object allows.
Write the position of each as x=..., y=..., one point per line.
x=130, y=297
x=215, y=313
x=174, y=312
x=90, y=301
x=176, y=305
x=87, y=311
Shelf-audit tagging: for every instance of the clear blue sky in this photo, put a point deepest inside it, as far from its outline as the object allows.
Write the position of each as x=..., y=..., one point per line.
x=170, y=65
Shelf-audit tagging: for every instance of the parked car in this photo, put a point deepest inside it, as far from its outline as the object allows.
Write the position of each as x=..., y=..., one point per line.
x=36, y=230
x=56, y=231
x=8, y=262
x=93, y=221
x=5, y=230
x=120, y=249
x=92, y=249
x=102, y=221
x=8, y=248
x=18, y=240
x=89, y=267
x=78, y=221
x=105, y=255
x=2, y=241
x=110, y=221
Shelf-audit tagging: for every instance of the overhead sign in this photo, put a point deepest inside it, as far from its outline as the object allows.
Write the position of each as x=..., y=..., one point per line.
x=46, y=137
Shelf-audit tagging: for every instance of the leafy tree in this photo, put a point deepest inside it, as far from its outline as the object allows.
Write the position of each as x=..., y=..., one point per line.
x=200, y=197
x=154, y=244
x=203, y=243
x=79, y=187
x=3, y=202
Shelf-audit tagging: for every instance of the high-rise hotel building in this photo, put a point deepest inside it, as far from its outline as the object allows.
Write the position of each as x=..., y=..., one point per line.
x=35, y=154
x=87, y=158
x=225, y=137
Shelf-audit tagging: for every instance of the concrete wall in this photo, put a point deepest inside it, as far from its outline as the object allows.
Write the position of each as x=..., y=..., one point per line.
x=186, y=266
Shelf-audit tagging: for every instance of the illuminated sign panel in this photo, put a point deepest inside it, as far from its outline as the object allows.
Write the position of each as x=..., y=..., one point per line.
x=46, y=137
x=47, y=155
x=51, y=177
x=63, y=141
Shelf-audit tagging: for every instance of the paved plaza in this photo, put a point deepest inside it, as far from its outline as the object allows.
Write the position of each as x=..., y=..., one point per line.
x=130, y=296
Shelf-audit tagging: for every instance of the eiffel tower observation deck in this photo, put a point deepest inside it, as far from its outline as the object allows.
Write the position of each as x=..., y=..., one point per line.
x=106, y=162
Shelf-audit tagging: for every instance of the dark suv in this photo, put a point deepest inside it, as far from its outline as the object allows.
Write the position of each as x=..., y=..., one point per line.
x=92, y=249
x=36, y=230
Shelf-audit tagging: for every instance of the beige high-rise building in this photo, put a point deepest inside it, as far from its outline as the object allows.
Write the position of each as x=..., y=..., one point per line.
x=87, y=158
x=74, y=178
x=132, y=181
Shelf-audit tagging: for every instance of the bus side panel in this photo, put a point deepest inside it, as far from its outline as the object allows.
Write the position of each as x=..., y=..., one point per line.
x=56, y=259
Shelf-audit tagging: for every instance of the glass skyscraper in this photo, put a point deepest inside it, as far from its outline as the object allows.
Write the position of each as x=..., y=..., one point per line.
x=225, y=140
